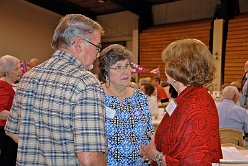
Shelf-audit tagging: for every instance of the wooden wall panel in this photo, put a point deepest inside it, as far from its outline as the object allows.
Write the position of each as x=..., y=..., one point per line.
x=236, y=49
x=154, y=40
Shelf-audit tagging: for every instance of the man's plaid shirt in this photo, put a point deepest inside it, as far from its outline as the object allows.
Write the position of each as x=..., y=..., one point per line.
x=58, y=110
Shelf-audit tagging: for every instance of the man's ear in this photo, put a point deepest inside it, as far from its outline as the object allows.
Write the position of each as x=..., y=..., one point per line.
x=77, y=47
x=78, y=44
x=235, y=98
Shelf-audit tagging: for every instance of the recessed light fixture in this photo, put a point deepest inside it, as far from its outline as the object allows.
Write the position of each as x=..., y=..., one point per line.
x=100, y=1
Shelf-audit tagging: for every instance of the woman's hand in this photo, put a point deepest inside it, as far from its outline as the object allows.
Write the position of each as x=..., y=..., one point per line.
x=149, y=151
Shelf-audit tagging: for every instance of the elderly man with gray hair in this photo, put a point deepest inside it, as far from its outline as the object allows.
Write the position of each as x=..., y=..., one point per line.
x=230, y=114
x=58, y=114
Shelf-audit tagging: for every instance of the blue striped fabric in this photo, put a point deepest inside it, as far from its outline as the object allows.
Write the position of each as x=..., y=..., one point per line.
x=58, y=110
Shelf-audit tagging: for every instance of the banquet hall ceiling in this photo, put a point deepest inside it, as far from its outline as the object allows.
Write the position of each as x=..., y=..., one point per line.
x=93, y=8
x=142, y=8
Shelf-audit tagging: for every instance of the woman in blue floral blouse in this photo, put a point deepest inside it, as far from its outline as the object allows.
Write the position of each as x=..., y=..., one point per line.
x=128, y=118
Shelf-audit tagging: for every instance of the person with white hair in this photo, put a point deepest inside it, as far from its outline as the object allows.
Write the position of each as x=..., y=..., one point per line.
x=230, y=114
x=10, y=72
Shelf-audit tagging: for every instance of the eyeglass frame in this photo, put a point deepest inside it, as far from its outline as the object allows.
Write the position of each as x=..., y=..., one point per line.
x=121, y=68
x=98, y=47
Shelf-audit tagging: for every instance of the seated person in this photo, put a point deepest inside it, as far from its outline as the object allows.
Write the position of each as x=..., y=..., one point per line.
x=148, y=89
x=238, y=85
x=230, y=114
x=161, y=95
x=166, y=87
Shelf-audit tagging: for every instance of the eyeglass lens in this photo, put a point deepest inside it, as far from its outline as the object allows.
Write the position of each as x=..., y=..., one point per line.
x=121, y=68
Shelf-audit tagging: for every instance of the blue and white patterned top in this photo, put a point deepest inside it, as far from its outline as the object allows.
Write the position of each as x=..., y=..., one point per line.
x=127, y=130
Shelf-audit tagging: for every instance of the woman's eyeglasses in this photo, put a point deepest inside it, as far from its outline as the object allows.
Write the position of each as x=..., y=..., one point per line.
x=121, y=68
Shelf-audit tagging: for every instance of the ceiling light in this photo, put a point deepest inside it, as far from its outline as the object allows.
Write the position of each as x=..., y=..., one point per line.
x=101, y=1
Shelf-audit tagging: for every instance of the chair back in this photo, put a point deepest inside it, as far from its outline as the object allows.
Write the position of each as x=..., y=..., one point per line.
x=231, y=136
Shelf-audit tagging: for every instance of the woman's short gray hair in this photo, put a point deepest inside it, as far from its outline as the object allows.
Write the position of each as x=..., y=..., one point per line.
x=8, y=63
x=71, y=26
x=110, y=56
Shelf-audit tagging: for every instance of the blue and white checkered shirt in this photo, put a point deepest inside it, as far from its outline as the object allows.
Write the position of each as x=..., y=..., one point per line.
x=58, y=111
x=232, y=116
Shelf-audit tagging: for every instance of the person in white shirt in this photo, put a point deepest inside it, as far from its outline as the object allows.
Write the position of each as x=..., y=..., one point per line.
x=230, y=114
x=148, y=89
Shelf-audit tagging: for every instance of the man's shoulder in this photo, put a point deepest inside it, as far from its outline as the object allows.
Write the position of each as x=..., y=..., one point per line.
x=239, y=108
x=221, y=103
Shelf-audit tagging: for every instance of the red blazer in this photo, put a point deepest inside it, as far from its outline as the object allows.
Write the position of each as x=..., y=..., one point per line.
x=190, y=136
x=6, y=98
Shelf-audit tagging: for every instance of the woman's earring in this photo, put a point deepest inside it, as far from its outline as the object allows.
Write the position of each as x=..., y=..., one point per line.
x=107, y=83
x=174, y=81
x=106, y=79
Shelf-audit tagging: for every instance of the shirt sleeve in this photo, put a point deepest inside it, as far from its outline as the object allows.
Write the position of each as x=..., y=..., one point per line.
x=88, y=120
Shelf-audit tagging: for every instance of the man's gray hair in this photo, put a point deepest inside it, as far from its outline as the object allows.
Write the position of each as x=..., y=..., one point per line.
x=71, y=26
x=8, y=63
x=229, y=91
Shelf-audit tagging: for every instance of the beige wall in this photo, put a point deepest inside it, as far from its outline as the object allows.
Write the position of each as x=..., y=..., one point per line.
x=26, y=30
x=119, y=27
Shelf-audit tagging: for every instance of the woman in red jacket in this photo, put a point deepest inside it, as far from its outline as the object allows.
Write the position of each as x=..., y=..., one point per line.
x=189, y=132
x=9, y=73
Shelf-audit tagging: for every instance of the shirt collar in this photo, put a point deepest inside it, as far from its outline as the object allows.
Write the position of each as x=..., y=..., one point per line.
x=228, y=101
x=68, y=57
